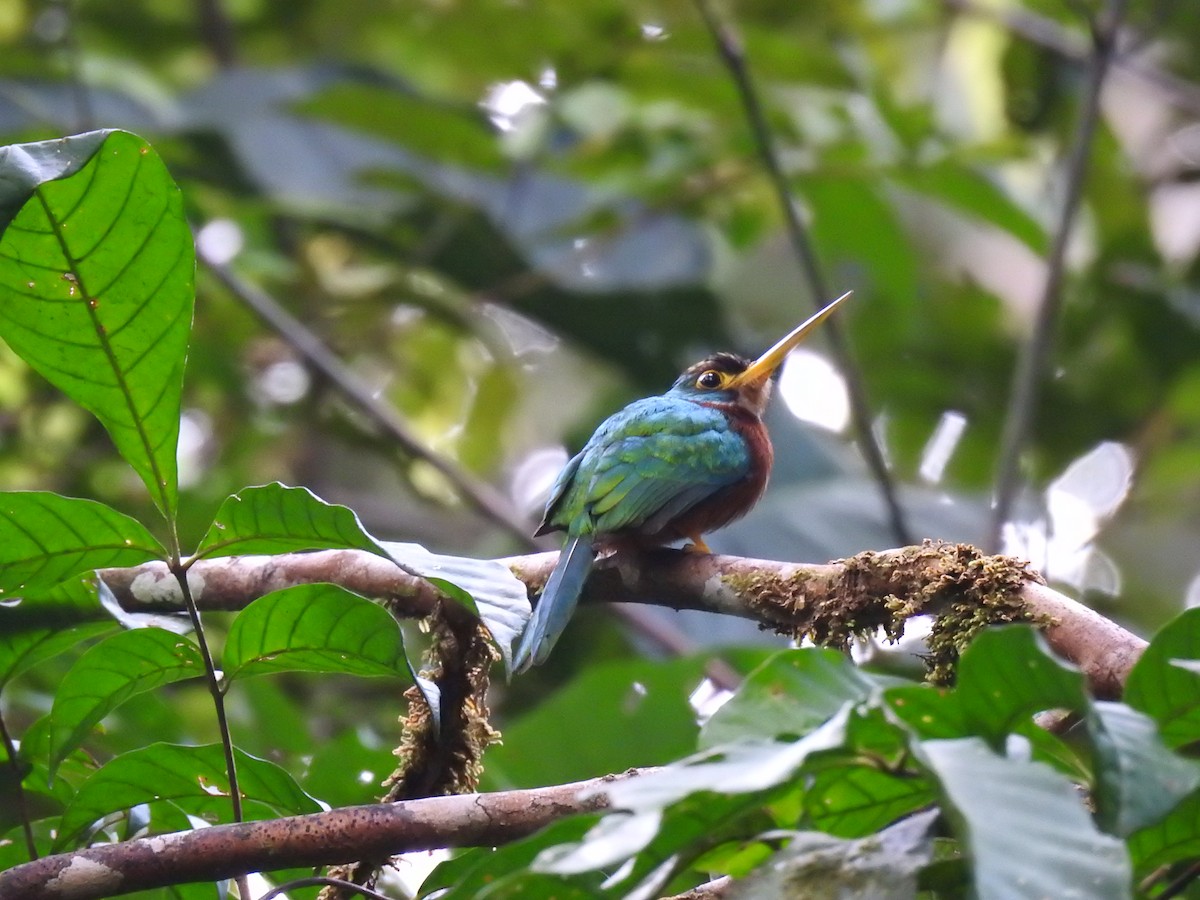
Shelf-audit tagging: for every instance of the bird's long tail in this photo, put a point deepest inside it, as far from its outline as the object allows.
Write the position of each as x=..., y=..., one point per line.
x=558, y=602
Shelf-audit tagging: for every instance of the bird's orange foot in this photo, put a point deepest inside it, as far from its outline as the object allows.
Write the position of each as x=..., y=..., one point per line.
x=697, y=545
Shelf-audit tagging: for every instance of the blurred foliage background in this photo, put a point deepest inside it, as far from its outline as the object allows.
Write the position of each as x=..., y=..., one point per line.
x=507, y=219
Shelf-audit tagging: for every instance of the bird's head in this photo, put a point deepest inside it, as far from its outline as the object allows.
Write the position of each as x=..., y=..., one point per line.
x=729, y=378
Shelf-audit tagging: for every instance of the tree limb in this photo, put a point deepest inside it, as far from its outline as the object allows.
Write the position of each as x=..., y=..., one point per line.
x=794, y=598
x=326, y=838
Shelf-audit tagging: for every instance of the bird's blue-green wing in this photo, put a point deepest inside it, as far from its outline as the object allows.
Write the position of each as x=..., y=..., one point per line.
x=649, y=463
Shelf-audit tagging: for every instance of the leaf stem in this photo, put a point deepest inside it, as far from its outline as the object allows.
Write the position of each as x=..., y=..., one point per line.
x=179, y=569
x=22, y=809
x=729, y=47
x=1035, y=353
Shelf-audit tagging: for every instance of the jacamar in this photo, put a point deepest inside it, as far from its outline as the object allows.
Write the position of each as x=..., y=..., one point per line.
x=662, y=469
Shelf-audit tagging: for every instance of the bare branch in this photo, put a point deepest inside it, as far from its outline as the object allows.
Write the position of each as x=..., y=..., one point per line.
x=327, y=838
x=1035, y=353
x=729, y=46
x=791, y=597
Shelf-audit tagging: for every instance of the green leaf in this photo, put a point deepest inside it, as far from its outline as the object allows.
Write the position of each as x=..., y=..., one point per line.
x=646, y=703
x=124, y=665
x=1138, y=780
x=786, y=697
x=1022, y=824
x=1164, y=690
x=40, y=626
x=1174, y=838
x=275, y=518
x=25, y=167
x=46, y=538
x=1007, y=674
x=858, y=788
x=974, y=193
x=96, y=287
x=314, y=628
x=192, y=778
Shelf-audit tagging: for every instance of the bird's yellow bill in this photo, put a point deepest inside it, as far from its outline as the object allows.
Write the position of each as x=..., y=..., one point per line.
x=760, y=370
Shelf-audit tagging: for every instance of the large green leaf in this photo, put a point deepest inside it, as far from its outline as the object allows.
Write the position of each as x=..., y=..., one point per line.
x=787, y=696
x=192, y=778
x=1138, y=780
x=276, y=518
x=46, y=538
x=1167, y=692
x=109, y=673
x=96, y=288
x=314, y=628
x=43, y=625
x=1024, y=827
x=1007, y=674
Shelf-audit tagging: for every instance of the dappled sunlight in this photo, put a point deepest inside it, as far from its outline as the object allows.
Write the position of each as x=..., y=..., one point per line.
x=814, y=390
x=941, y=445
x=533, y=477
x=1077, y=505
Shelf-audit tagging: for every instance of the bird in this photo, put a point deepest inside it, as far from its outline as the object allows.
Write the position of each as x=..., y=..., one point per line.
x=663, y=469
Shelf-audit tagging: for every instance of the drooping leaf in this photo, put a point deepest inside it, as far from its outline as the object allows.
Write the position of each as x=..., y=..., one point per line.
x=109, y=673
x=1164, y=690
x=46, y=538
x=191, y=778
x=786, y=697
x=96, y=287
x=43, y=625
x=1138, y=779
x=276, y=518
x=485, y=586
x=1024, y=826
x=314, y=628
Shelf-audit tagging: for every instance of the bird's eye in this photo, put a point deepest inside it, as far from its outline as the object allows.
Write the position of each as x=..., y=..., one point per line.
x=710, y=380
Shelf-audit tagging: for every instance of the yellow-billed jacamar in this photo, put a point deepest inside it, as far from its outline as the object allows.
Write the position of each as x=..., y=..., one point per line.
x=664, y=468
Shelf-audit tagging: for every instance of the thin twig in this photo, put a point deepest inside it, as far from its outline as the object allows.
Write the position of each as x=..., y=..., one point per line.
x=1180, y=883
x=1035, y=353
x=729, y=47
x=179, y=571
x=22, y=809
